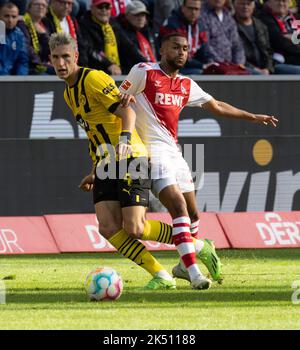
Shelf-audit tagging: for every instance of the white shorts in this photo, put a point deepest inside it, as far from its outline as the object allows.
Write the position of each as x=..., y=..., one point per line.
x=170, y=168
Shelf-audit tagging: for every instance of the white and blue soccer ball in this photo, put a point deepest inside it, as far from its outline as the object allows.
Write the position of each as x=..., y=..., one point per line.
x=103, y=283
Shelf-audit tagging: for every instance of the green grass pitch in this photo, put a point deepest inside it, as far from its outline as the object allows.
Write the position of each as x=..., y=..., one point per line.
x=46, y=292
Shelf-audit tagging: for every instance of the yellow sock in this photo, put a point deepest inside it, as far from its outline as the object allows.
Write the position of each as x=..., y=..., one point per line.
x=157, y=231
x=134, y=250
x=160, y=232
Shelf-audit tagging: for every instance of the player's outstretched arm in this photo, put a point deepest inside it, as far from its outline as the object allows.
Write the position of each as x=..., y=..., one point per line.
x=222, y=109
x=127, y=115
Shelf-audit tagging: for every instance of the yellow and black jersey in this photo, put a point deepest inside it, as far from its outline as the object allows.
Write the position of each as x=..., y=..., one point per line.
x=93, y=100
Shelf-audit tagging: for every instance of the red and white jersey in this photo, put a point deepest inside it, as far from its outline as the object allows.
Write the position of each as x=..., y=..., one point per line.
x=160, y=99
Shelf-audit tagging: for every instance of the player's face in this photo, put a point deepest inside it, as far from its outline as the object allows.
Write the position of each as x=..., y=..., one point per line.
x=64, y=59
x=9, y=17
x=175, y=52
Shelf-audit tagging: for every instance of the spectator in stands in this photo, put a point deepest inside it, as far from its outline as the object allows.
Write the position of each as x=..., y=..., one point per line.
x=37, y=37
x=255, y=38
x=283, y=31
x=21, y=4
x=13, y=54
x=162, y=11
x=134, y=24
x=224, y=43
x=187, y=20
x=108, y=47
x=58, y=19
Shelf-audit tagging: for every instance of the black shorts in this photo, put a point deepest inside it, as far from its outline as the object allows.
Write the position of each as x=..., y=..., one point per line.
x=128, y=191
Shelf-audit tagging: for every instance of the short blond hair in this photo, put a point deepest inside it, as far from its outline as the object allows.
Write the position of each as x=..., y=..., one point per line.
x=61, y=39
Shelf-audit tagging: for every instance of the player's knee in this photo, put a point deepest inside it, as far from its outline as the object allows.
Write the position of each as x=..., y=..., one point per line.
x=108, y=230
x=179, y=208
x=134, y=228
x=173, y=200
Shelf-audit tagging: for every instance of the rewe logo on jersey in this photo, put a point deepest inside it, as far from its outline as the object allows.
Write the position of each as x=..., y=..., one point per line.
x=168, y=99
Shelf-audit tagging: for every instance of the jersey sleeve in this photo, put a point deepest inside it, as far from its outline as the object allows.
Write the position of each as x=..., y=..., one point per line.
x=135, y=81
x=197, y=96
x=103, y=88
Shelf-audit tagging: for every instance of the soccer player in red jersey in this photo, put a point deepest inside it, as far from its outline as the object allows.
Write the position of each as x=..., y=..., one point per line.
x=160, y=94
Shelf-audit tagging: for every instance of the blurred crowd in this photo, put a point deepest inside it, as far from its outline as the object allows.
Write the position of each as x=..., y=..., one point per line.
x=225, y=36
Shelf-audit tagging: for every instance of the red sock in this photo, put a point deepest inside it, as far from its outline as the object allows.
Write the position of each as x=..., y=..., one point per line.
x=184, y=244
x=195, y=228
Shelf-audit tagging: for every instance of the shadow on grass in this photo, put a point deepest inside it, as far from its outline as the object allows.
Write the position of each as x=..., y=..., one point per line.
x=139, y=298
x=281, y=254
x=63, y=256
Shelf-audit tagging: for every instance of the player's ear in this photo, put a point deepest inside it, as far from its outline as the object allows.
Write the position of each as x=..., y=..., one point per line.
x=76, y=56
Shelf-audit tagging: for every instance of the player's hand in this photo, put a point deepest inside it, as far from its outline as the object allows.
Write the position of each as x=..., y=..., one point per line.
x=114, y=69
x=265, y=119
x=126, y=99
x=87, y=183
x=123, y=150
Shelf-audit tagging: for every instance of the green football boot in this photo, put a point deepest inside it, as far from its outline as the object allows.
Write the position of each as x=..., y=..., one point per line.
x=210, y=259
x=158, y=283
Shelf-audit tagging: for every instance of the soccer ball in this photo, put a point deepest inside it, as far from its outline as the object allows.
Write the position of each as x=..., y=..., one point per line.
x=103, y=283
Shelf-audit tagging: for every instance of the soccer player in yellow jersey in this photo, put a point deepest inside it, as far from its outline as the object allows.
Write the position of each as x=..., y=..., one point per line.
x=120, y=199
